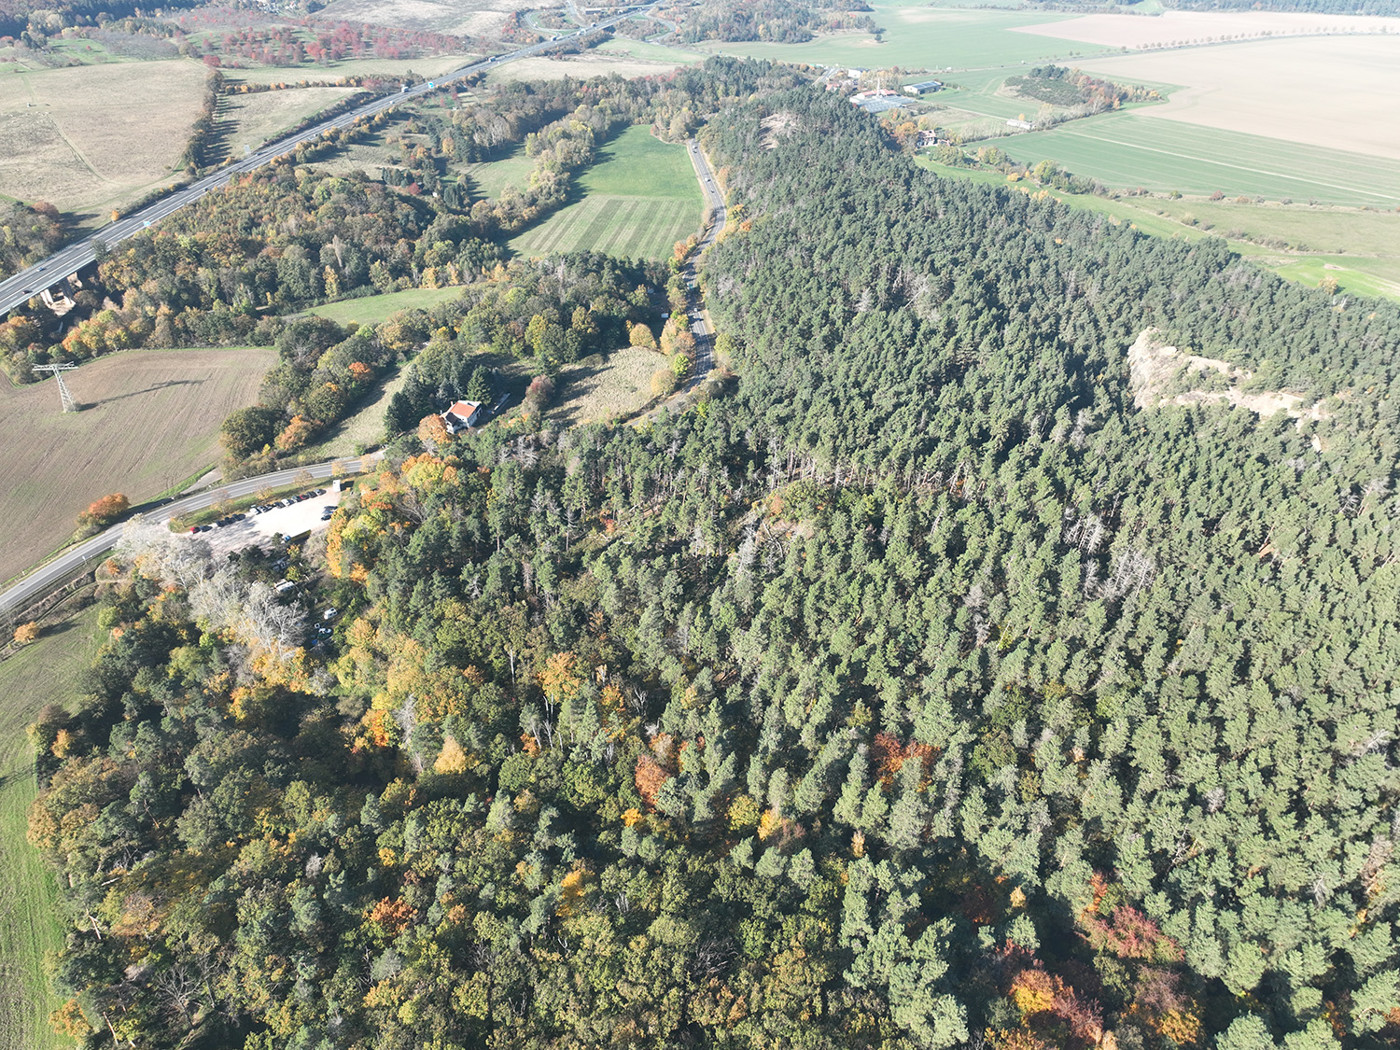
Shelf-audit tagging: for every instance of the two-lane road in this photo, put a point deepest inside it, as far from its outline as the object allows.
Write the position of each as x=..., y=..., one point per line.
x=700, y=326
x=28, y=283
x=72, y=562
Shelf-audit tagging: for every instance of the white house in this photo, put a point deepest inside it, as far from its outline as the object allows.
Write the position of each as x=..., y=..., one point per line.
x=462, y=415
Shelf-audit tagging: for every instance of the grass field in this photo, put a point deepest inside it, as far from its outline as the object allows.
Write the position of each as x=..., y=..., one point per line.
x=30, y=926
x=154, y=420
x=470, y=17
x=262, y=117
x=918, y=36
x=638, y=200
x=1131, y=149
x=622, y=45
x=374, y=308
x=433, y=66
x=612, y=389
x=90, y=138
x=490, y=177
x=1360, y=250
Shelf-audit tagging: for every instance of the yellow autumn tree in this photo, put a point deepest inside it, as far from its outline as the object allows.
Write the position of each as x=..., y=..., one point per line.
x=451, y=759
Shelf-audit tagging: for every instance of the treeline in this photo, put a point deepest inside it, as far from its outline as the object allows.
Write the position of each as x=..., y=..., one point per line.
x=1060, y=86
x=547, y=314
x=28, y=233
x=781, y=21
x=278, y=239
x=550, y=312
x=923, y=693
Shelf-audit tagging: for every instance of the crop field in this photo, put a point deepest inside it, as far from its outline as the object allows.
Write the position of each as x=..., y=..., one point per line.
x=267, y=115
x=94, y=137
x=639, y=199
x=918, y=36
x=1337, y=91
x=612, y=389
x=30, y=926
x=154, y=419
x=373, y=308
x=1133, y=149
x=1173, y=28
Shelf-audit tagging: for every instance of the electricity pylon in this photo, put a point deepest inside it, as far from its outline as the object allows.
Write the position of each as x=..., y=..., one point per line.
x=64, y=396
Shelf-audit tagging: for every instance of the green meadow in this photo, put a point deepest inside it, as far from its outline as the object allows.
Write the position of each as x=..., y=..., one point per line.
x=636, y=201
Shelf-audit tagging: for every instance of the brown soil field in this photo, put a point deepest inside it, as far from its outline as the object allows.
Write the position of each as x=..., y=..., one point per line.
x=1174, y=27
x=95, y=137
x=463, y=17
x=1337, y=92
x=154, y=420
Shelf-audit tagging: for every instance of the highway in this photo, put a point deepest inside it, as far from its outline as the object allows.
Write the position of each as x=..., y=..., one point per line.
x=72, y=562
x=28, y=283
x=700, y=326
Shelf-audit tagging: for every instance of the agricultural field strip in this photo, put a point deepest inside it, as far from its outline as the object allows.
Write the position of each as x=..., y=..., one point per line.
x=1226, y=164
x=1297, y=167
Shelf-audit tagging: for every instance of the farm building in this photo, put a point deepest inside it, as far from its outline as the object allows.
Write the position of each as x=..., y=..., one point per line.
x=923, y=87
x=1023, y=125
x=462, y=415
x=877, y=101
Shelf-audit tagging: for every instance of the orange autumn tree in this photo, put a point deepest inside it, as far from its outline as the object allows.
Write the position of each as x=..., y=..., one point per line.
x=105, y=510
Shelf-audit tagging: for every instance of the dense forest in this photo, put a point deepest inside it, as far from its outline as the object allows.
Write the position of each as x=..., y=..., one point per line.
x=28, y=233
x=923, y=691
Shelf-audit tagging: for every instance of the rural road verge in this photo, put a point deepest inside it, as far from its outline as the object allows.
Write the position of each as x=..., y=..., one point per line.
x=73, y=561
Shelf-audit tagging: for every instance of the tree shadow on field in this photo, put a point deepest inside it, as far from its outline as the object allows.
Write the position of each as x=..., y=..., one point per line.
x=148, y=390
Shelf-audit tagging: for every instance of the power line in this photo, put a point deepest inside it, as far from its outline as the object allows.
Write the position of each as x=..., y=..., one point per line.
x=64, y=395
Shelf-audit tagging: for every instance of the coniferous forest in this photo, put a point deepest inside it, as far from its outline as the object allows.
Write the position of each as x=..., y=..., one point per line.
x=921, y=690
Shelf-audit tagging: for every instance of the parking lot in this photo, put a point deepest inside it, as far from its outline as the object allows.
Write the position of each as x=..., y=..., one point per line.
x=254, y=527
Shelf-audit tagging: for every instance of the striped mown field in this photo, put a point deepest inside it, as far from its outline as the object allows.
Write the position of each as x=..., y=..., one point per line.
x=630, y=227
x=640, y=198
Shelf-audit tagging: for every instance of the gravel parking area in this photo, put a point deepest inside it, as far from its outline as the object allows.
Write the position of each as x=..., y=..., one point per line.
x=254, y=528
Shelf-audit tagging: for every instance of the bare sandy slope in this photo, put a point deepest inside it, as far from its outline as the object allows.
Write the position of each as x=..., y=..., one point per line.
x=1173, y=27
x=154, y=420
x=1339, y=92
x=94, y=136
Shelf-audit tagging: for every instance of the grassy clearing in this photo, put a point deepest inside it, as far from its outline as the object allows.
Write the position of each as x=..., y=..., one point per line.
x=154, y=419
x=918, y=36
x=639, y=199
x=30, y=926
x=596, y=391
x=373, y=308
x=267, y=115
x=649, y=52
x=1127, y=149
x=364, y=429
x=95, y=137
x=511, y=168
